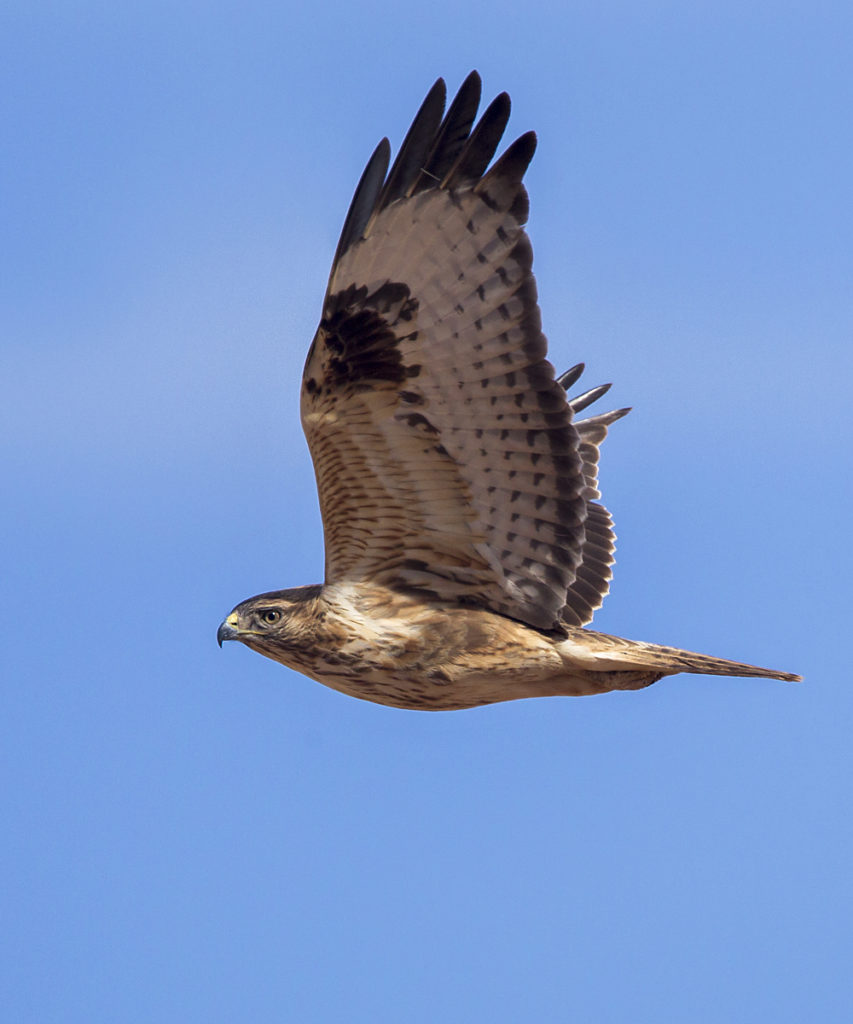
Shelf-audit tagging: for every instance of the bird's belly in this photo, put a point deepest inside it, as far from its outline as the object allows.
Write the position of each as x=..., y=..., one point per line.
x=422, y=672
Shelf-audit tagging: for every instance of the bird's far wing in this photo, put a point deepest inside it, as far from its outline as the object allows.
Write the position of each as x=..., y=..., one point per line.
x=592, y=580
x=444, y=449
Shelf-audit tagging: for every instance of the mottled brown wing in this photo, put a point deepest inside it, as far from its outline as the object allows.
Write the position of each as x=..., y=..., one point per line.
x=445, y=453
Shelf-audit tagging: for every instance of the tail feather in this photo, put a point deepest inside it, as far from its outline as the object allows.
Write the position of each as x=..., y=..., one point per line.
x=612, y=652
x=706, y=665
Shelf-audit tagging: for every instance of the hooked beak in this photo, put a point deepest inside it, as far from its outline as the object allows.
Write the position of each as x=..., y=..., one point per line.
x=227, y=630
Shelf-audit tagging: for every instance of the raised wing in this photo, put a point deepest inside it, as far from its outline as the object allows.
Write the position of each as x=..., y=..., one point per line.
x=444, y=449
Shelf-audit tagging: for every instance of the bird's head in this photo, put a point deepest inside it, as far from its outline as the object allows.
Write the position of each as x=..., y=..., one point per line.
x=269, y=622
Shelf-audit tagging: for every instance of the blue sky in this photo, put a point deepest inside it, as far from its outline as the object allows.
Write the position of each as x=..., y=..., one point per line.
x=201, y=835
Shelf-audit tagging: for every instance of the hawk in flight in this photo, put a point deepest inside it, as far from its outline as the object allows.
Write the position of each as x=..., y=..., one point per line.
x=466, y=549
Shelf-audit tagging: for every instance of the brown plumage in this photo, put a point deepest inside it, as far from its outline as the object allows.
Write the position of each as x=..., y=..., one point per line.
x=465, y=547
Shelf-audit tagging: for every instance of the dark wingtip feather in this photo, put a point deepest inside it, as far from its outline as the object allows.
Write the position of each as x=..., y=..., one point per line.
x=481, y=145
x=452, y=135
x=512, y=164
x=364, y=200
x=416, y=146
x=571, y=376
x=440, y=153
x=588, y=397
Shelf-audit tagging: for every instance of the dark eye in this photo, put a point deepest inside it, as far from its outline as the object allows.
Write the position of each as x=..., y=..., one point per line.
x=270, y=615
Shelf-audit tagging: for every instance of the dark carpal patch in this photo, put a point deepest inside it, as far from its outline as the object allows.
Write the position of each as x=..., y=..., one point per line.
x=362, y=334
x=418, y=422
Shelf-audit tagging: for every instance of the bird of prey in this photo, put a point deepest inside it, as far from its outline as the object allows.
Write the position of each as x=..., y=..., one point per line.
x=466, y=549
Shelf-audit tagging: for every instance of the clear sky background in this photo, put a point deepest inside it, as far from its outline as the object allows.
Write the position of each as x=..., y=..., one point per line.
x=191, y=834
